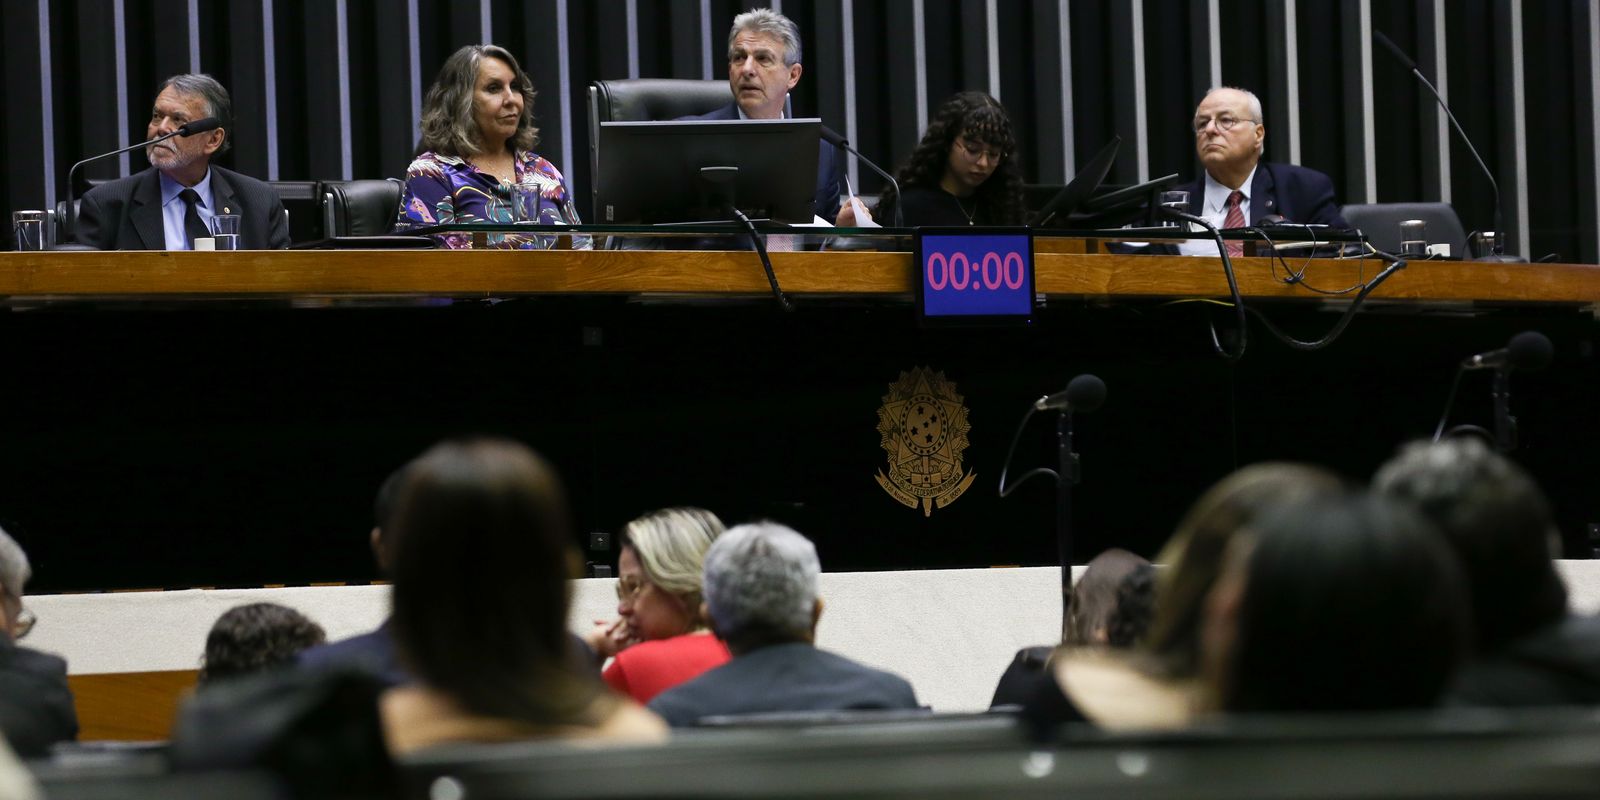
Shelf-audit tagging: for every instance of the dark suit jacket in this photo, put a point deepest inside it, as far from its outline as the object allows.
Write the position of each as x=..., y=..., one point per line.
x=36, y=708
x=1295, y=193
x=370, y=653
x=830, y=168
x=783, y=677
x=126, y=214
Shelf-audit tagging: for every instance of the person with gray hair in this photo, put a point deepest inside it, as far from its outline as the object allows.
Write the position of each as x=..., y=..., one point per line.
x=1531, y=650
x=761, y=598
x=36, y=706
x=1238, y=189
x=169, y=205
x=763, y=68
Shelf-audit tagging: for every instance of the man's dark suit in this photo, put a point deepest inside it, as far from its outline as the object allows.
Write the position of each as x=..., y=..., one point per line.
x=1295, y=193
x=126, y=214
x=830, y=168
x=370, y=653
x=36, y=708
x=783, y=677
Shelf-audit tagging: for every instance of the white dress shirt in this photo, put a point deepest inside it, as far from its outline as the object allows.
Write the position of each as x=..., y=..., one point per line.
x=1214, y=211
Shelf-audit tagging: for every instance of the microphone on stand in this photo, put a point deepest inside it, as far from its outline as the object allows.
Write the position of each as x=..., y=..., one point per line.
x=1499, y=253
x=1526, y=350
x=202, y=125
x=832, y=137
x=1084, y=393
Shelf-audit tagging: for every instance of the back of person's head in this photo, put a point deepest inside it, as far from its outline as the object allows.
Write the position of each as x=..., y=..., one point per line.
x=483, y=550
x=382, y=513
x=1094, y=598
x=1193, y=557
x=218, y=102
x=761, y=586
x=1498, y=522
x=14, y=575
x=1136, y=603
x=252, y=638
x=1336, y=604
x=671, y=547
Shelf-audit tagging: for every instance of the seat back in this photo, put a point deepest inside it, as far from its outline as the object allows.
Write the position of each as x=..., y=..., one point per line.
x=645, y=99
x=360, y=207
x=1381, y=223
x=302, y=200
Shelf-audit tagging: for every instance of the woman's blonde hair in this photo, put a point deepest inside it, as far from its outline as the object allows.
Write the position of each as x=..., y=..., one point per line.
x=671, y=546
x=447, y=124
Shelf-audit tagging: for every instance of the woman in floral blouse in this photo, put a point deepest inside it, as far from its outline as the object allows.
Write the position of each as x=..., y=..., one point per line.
x=479, y=164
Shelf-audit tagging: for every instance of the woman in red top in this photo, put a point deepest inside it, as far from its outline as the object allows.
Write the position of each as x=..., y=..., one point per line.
x=661, y=638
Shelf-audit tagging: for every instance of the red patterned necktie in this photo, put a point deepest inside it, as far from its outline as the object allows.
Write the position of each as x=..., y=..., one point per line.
x=1234, y=219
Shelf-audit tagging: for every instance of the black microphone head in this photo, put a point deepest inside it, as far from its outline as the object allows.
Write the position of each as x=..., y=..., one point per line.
x=199, y=126
x=1530, y=350
x=1395, y=49
x=832, y=137
x=1086, y=393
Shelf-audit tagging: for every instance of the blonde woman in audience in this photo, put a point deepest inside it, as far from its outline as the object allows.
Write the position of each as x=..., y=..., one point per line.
x=661, y=638
x=1156, y=685
x=483, y=554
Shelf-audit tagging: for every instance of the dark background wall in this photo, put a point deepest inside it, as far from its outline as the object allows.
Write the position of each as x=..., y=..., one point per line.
x=329, y=89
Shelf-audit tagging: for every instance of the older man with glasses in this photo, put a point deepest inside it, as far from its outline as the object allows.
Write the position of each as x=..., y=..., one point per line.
x=36, y=708
x=1238, y=189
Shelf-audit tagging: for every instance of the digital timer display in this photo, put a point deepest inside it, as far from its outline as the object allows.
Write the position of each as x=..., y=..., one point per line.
x=974, y=275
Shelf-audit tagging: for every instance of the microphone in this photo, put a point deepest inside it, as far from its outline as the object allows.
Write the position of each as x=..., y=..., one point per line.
x=190, y=128
x=832, y=137
x=1526, y=350
x=1499, y=253
x=1084, y=393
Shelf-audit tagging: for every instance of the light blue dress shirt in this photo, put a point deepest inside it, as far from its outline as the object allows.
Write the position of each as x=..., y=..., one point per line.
x=173, y=208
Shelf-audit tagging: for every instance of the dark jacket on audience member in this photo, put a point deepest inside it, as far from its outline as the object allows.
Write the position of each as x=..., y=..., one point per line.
x=374, y=654
x=783, y=677
x=1557, y=665
x=36, y=708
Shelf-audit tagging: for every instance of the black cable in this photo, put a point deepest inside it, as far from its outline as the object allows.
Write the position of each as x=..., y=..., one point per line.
x=1233, y=284
x=766, y=261
x=1012, y=450
x=1344, y=319
x=1449, y=403
x=1298, y=277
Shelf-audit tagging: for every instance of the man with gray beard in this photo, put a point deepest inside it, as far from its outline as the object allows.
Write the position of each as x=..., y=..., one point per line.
x=169, y=205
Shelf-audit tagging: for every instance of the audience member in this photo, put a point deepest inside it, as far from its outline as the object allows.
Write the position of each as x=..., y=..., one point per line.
x=1091, y=604
x=661, y=638
x=1337, y=605
x=763, y=67
x=373, y=652
x=169, y=205
x=252, y=638
x=483, y=554
x=1157, y=684
x=1136, y=603
x=963, y=172
x=761, y=597
x=1531, y=650
x=36, y=707
x=478, y=164
x=1238, y=188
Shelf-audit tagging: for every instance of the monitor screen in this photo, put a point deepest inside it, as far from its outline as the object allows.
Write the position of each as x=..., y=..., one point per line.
x=686, y=170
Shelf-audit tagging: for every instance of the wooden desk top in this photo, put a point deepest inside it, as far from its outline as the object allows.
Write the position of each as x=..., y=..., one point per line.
x=372, y=273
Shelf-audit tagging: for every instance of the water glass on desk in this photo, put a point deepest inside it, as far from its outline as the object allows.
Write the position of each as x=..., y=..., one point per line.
x=32, y=229
x=225, y=229
x=1177, y=201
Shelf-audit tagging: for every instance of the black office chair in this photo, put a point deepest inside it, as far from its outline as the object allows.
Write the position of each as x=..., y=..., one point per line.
x=361, y=207
x=1381, y=223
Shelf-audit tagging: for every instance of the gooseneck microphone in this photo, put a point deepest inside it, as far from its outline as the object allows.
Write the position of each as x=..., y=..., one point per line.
x=1084, y=393
x=202, y=125
x=1499, y=253
x=1528, y=350
x=832, y=137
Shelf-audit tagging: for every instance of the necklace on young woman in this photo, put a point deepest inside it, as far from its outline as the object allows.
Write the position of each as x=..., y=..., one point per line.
x=970, y=215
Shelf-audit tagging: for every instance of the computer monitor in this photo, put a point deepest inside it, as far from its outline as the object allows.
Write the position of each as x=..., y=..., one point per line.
x=685, y=171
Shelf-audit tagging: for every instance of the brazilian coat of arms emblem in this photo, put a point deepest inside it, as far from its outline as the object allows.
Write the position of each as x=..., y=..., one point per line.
x=924, y=427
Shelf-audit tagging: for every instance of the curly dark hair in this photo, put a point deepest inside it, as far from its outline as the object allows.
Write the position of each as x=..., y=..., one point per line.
x=255, y=637
x=978, y=118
